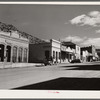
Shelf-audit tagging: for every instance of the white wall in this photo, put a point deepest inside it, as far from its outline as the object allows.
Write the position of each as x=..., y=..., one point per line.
x=14, y=40
x=56, y=46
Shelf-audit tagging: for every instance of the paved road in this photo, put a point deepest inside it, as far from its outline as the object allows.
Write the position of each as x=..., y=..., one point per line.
x=17, y=77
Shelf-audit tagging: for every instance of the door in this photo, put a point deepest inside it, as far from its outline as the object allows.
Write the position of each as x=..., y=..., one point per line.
x=1, y=52
x=8, y=53
x=47, y=54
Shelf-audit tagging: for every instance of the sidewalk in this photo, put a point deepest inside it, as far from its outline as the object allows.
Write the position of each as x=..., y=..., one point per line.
x=13, y=65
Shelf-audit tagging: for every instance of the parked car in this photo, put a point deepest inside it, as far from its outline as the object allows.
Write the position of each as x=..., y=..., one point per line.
x=76, y=61
x=47, y=62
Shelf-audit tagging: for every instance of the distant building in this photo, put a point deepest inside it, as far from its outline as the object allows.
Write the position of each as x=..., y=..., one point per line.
x=67, y=54
x=13, y=46
x=74, y=47
x=88, y=53
x=98, y=53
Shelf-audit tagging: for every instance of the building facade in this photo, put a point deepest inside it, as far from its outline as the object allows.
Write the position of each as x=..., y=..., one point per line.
x=98, y=53
x=39, y=52
x=88, y=53
x=67, y=54
x=13, y=47
x=55, y=49
x=74, y=49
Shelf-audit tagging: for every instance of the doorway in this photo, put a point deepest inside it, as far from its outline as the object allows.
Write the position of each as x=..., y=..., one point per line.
x=47, y=54
x=1, y=52
x=8, y=53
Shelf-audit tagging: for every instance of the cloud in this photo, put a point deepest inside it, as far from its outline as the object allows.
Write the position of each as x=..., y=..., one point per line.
x=91, y=19
x=73, y=39
x=78, y=19
x=83, y=41
x=97, y=31
x=94, y=13
x=92, y=41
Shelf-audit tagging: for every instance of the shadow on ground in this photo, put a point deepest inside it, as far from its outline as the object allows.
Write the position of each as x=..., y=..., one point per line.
x=83, y=67
x=66, y=84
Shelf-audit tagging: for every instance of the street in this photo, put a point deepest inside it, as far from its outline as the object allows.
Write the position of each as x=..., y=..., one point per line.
x=82, y=76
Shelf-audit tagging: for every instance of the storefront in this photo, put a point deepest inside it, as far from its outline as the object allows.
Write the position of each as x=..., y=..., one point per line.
x=67, y=54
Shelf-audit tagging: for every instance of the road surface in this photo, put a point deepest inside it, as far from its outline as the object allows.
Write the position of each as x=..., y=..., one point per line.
x=62, y=73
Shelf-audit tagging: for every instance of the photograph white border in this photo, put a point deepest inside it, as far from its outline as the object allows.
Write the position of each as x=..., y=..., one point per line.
x=50, y=94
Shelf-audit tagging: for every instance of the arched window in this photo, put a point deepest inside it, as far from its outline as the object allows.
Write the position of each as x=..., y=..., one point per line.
x=25, y=55
x=53, y=54
x=20, y=55
x=14, y=59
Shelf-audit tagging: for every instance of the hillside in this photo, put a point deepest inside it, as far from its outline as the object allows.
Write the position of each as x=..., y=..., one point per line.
x=9, y=28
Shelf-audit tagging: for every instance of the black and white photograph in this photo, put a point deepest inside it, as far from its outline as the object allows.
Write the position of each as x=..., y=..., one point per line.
x=50, y=47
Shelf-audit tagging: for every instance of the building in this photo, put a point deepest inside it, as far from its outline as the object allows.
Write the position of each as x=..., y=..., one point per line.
x=55, y=49
x=67, y=54
x=40, y=51
x=74, y=49
x=88, y=53
x=98, y=53
x=14, y=45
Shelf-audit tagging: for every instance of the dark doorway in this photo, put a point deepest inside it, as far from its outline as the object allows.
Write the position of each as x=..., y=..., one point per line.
x=8, y=53
x=47, y=54
x=1, y=52
x=56, y=56
x=20, y=55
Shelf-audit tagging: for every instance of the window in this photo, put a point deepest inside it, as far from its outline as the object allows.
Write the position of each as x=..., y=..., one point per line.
x=56, y=55
x=14, y=59
x=53, y=54
x=25, y=55
x=20, y=55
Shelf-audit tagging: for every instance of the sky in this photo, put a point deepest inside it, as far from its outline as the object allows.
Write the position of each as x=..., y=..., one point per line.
x=76, y=23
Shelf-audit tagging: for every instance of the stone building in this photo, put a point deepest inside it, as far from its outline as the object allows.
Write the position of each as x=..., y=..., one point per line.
x=14, y=46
